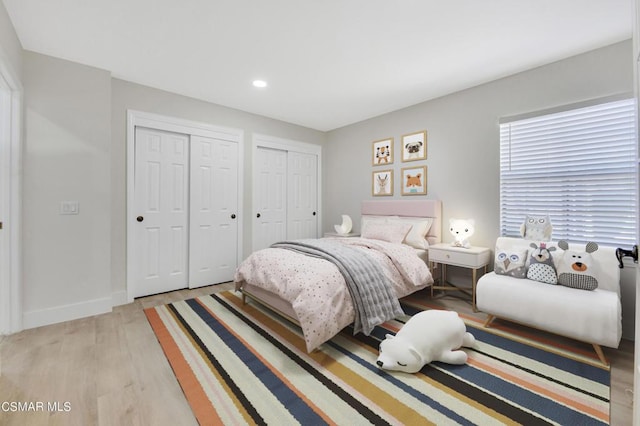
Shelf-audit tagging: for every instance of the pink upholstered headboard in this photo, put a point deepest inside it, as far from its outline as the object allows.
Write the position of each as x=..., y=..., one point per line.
x=410, y=208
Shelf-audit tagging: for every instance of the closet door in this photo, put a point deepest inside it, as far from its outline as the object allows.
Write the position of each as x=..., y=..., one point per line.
x=161, y=206
x=270, y=197
x=213, y=245
x=302, y=197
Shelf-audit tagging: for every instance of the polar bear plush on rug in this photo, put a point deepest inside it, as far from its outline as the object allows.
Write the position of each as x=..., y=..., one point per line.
x=433, y=335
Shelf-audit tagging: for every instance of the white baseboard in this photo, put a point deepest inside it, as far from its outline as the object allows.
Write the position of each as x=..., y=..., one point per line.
x=38, y=318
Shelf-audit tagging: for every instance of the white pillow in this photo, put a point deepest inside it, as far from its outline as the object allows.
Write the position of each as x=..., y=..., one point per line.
x=380, y=219
x=386, y=231
x=419, y=228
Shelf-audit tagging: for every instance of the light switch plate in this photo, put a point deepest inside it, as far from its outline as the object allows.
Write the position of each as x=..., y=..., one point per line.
x=69, y=207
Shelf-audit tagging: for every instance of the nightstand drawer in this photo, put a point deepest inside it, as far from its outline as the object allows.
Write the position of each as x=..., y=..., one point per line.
x=474, y=257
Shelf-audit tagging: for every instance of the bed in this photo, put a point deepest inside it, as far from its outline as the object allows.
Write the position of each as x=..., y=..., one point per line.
x=311, y=291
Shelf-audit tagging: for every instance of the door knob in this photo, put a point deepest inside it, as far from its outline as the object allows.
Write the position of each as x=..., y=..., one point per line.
x=139, y=218
x=314, y=213
x=233, y=216
x=258, y=215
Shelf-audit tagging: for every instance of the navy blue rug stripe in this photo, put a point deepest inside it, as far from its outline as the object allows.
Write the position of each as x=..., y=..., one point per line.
x=504, y=407
x=545, y=406
x=581, y=369
x=542, y=376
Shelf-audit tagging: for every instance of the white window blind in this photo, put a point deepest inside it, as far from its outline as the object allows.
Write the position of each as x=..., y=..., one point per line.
x=578, y=166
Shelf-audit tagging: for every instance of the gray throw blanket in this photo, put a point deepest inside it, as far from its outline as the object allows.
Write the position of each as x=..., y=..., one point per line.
x=372, y=292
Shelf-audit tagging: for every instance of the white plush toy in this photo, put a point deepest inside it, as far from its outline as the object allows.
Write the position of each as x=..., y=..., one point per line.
x=577, y=268
x=462, y=230
x=433, y=335
x=537, y=228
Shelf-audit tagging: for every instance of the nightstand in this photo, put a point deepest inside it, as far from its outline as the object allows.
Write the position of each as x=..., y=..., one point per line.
x=335, y=234
x=473, y=258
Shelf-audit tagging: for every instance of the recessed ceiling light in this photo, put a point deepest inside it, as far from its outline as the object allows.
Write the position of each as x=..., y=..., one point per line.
x=259, y=83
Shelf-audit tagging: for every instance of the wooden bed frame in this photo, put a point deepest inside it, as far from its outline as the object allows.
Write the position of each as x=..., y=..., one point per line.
x=404, y=208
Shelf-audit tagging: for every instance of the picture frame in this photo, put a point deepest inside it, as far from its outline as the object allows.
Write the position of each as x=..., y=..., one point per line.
x=414, y=146
x=382, y=183
x=414, y=180
x=382, y=152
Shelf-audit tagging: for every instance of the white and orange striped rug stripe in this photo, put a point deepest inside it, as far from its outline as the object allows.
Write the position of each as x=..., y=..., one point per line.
x=242, y=364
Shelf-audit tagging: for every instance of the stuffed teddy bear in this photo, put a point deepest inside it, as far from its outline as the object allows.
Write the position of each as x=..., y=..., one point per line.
x=462, y=230
x=433, y=335
x=575, y=268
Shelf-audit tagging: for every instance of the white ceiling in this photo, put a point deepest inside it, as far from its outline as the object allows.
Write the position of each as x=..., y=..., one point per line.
x=329, y=63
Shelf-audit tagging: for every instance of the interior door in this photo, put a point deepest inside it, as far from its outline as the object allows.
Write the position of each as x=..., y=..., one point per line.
x=270, y=186
x=213, y=211
x=161, y=205
x=302, y=197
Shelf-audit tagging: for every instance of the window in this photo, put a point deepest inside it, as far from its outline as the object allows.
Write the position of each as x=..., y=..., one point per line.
x=578, y=166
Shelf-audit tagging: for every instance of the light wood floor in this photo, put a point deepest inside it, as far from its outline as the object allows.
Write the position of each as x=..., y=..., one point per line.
x=110, y=370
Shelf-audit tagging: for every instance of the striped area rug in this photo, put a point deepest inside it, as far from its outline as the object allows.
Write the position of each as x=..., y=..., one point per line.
x=242, y=364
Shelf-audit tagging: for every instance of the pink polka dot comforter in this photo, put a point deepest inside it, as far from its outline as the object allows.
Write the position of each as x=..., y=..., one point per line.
x=316, y=290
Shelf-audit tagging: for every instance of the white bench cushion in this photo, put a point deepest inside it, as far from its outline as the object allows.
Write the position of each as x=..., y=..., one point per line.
x=590, y=316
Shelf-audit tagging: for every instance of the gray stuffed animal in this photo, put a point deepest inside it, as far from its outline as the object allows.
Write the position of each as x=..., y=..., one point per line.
x=541, y=267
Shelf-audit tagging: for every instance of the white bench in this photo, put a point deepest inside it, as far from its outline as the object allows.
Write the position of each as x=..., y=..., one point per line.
x=590, y=316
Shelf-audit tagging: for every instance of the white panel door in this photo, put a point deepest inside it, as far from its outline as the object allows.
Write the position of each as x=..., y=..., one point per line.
x=214, y=217
x=270, y=187
x=302, y=198
x=161, y=206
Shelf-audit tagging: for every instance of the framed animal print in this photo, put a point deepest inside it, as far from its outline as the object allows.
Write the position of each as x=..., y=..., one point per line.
x=414, y=146
x=382, y=183
x=414, y=180
x=383, y=152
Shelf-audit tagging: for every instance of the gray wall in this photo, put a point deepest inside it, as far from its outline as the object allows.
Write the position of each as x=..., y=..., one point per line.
x=66, y=158
x=463, y=137
x=126, y=95
x=10, y=47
